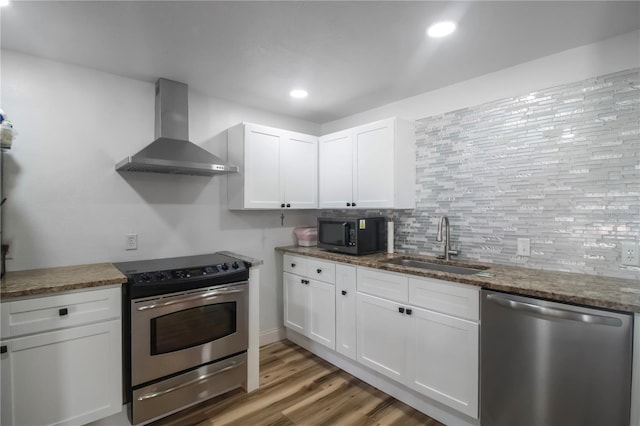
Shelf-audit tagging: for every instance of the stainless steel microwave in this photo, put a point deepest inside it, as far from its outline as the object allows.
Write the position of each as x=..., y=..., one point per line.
x=352, y=235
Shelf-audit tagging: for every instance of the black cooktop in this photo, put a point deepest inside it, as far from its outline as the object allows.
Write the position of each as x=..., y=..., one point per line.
x=162, y=276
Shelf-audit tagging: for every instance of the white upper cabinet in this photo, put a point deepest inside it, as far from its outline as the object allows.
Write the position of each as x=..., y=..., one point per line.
x=336, y=170
x=278, y=168
x=369, y=166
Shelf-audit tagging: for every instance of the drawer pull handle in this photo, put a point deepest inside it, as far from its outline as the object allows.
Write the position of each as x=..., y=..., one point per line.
x=293, y=265
x=319, y=270
x=409, y=311
x=401, y=310
x=3, y=349
x=63, y=311
x=344, y=292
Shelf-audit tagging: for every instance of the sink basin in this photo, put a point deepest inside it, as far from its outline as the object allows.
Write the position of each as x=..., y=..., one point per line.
x=435, y=266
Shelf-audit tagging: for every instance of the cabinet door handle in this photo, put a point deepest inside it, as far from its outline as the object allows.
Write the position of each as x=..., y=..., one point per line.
x=288, y=205
x=318, y=270
x=353, y=204
x=409, y=311
x=348, y=204
x=3, y=349
x=282, y=205
x=401, y=310
x=344, y=292
x=293, y=265
x=63, y=311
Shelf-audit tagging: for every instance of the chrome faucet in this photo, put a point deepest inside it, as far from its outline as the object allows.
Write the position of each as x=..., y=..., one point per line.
x=444, y=221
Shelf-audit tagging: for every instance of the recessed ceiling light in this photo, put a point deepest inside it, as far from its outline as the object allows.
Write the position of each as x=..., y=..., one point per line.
x=441, y=29
x=298, y=93
x=4, y=3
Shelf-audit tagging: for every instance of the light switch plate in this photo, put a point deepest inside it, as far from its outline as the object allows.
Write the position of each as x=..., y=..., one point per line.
x=524, y=247
x=630, y=253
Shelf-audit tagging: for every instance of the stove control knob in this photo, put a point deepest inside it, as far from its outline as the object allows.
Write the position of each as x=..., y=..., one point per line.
x=179, y=273
x=225, y=267
x=161, y=276
x=210, y=269
x=145, y=277
x=235, y=265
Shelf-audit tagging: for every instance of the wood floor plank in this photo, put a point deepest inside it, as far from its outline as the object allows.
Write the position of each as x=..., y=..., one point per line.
x=299, y=389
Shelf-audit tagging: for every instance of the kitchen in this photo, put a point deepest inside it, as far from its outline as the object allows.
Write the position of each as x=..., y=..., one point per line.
x=67, y=206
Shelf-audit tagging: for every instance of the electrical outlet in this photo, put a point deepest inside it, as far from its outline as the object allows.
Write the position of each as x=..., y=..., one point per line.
x=524, y=247
x=131, y=242
x=630, y=253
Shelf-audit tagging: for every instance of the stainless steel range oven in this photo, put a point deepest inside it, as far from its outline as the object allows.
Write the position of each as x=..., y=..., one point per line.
x=187, y=332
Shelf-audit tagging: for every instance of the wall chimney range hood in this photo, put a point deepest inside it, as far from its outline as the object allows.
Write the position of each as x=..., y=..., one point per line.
x=171, y=152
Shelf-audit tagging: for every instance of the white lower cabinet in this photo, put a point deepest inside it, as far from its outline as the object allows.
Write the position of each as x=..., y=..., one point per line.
x=295, y=303
x=382, y=336
x=442, y=359
x=346, y=318
x=309, y=304
x=420, y=332
x=65, y=376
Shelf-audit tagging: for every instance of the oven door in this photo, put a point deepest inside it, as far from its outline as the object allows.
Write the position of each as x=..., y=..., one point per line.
x=174, y=332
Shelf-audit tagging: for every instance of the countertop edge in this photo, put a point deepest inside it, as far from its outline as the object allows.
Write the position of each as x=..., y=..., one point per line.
x=251, y=261
x=48, y=281
x=521, y=281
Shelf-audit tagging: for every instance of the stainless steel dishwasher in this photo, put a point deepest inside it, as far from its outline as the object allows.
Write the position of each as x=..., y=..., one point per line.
x=546, y=364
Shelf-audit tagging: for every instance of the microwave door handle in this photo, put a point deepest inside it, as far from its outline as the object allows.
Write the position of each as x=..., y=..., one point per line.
x=345, y=226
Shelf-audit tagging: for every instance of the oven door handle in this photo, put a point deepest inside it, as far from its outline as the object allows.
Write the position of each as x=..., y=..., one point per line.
x=206, y=296
x=190, y=382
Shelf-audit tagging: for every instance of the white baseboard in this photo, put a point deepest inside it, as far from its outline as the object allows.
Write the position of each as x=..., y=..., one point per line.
x=271, y=336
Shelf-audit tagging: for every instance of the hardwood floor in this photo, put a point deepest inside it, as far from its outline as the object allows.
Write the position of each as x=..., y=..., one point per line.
x=298, y=388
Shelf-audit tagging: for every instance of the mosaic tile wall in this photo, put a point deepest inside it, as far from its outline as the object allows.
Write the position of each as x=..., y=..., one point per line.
x=559, y=166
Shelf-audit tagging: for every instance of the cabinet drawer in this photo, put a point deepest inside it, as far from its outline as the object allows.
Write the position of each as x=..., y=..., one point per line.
x=383, y=284
x=446, y=297
x=47, y=313
x=295, y=264
x=321, y=271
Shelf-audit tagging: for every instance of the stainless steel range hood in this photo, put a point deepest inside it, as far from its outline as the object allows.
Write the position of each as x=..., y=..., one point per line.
x=171, y=152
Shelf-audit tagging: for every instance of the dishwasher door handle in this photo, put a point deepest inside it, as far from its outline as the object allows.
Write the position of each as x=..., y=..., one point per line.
x=554, y=312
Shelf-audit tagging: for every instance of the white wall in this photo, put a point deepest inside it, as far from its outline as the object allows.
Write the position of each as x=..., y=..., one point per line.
x=67, y=205
x=614, y=54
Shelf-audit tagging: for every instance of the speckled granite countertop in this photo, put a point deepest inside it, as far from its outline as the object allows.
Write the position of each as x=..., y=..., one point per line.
x=52, y=280
x=591, y=290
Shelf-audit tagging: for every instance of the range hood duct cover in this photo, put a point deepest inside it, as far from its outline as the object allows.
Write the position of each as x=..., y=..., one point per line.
x=171, y=152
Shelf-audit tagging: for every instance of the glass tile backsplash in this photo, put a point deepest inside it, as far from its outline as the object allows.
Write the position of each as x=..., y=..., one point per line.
x=560, y=166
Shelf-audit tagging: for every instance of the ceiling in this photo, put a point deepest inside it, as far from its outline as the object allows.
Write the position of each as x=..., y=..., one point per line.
x=350, y=56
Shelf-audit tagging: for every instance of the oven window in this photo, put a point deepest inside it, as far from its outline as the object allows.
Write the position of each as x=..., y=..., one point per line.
x=192, y=327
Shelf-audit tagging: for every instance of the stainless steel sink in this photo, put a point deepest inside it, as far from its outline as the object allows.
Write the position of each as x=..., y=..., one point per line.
x=435, y=266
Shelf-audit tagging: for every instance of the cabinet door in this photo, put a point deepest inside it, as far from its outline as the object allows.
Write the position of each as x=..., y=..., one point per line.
x=299, y=170
x=65, y=377
x=295, y=303
x=346, y=310
x=335, y=170
x=262, y=182
x=443, y=359
x=321, y=313
x=382, y=336
x=6, y=391
x=373, y=178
